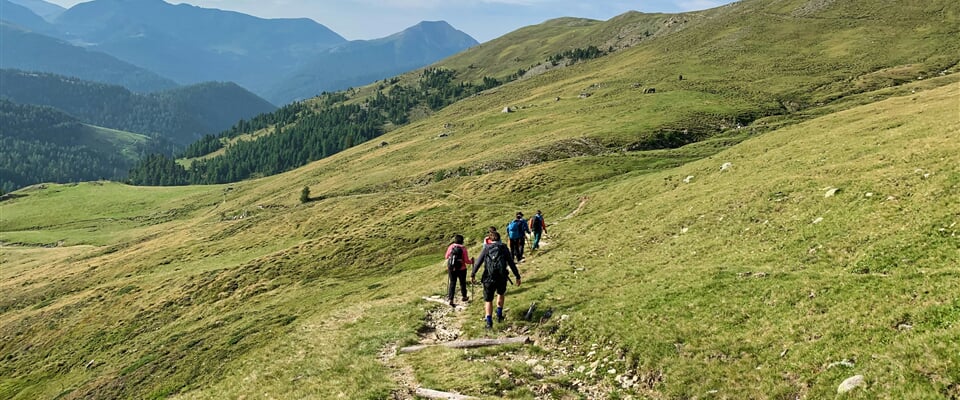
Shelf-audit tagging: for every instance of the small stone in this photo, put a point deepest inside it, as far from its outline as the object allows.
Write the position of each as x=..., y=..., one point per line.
x=841, y=363
x=831, y=192
x=688, y=179
x=539, y=370
x=726, y=166
x=818, y=220
x=611, y=371
x=850, y=383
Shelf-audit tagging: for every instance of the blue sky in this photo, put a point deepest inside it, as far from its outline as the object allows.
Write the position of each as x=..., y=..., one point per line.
x=482, y=19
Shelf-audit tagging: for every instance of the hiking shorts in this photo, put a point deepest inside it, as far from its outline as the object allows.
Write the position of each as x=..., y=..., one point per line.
x=490, y=287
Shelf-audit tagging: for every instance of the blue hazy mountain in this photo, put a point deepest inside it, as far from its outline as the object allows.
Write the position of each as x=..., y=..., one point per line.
x=47, y=10
x=16, y=14
x=192, y=44
x=363, y=61
x=31, y=51
x=275, y=58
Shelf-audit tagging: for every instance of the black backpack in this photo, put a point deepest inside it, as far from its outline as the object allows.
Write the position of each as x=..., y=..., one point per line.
x=496, y=261
x=536, y=223
x=455, y=261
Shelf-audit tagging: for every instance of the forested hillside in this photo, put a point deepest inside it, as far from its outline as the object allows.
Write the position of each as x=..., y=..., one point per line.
x=302, y=132
x=41, y=144
x=179, y=115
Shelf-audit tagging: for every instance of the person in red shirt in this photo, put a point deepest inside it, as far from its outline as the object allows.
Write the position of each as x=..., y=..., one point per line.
x=457, y=271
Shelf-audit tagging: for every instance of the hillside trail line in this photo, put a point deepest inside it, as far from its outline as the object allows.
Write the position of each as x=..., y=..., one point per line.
x=583, y=202
x=442, y=324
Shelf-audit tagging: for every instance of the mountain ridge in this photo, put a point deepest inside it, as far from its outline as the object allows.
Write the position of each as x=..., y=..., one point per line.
x=35, y=52
x=47, y=10
x=383, y=58
x=192, y=44
x=181, y=115
x=24, y=17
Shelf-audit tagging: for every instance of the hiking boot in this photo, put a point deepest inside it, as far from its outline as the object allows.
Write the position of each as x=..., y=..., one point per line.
x=499, y=317
x=465, y=299
x=489, y=322
x=452, y=304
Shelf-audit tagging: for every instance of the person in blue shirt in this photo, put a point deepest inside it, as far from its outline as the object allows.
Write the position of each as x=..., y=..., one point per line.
x=517, y=231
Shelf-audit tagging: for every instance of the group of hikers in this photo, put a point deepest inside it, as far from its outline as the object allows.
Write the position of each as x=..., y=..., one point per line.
x=495, y=257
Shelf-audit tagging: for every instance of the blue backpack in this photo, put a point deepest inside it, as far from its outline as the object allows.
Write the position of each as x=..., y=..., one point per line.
x=515, y=229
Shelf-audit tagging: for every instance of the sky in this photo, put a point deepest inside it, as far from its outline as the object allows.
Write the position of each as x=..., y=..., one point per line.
x=482, y=19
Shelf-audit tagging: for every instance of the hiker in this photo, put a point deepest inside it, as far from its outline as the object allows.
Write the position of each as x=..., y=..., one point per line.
x=457, y=260
x=517, y=231
x=494, y=257
x=538, y=227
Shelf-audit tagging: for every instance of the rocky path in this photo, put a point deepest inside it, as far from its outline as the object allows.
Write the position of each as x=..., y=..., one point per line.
x=441, y=325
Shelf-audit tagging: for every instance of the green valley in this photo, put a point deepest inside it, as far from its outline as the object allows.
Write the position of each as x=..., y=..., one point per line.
x=781, y=219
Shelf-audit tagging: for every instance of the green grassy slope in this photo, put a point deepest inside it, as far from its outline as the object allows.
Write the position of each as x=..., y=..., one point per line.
x=699, y=283
x=745, y=283
x=740, y=63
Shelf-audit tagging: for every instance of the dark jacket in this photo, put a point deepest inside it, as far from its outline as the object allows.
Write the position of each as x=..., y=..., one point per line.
x=482, y=259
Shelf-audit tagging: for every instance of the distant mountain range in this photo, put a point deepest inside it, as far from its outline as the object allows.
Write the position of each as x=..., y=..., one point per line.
x=181, y=115
x=48, y=11
x=55, y=128
x=361, y=62
x=25, y=18
x=279, y=59
x=30, y=51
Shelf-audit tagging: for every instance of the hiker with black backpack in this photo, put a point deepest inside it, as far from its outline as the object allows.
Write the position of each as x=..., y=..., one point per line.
x=494, y=257
x=538, y=227
x=517, y=231
x=457, y=261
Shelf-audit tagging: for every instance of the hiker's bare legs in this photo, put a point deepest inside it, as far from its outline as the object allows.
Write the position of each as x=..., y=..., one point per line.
x=500, y=299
